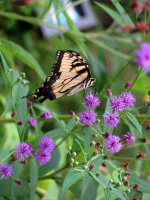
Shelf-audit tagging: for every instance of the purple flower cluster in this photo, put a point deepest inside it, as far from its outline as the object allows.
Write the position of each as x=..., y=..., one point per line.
x=143, y=56
x=5, y=171
x=88, y=117
x=112, y=144
x=23, y=150
x=46, y=146
x=91, y=101
x=111, y=119
x=129, y=138
x=32, y=121
x=125, y=100
x=46, y=115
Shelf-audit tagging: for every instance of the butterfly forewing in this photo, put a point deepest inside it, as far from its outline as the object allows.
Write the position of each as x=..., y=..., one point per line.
x=70, y=71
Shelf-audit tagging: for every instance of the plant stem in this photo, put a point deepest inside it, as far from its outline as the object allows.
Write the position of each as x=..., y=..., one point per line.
x=53, y=174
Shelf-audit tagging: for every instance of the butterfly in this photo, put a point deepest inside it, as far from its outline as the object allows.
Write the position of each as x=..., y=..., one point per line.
x=70, y=72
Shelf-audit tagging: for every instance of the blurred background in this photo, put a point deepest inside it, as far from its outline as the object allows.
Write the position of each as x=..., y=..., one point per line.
x=42, y=43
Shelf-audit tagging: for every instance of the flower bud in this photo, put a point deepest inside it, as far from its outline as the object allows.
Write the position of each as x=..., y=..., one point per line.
x=75, y=164
x=23, y=82
x=20, y=123
x=128, y=84
x=135, y=187
x=97, y=145
x=104, y=164
x=24, y=162
x=98, y=174
x=124, y=178
x=94, y=135
x=13, y=115
x=92, y=166
x=92, y=144
x=87, y=125
x=111, y=181
x=95, y=153
x=98, y=120
x=19, y=182
x=69, y=148
x=128, y=191
x=111, y=188
x=77, y=118
x=71, y=113
x=85, y=167
x=144, y=140
x=118, y=184
x=71, y=160
x=108, y=92
x=29, y=103
x=105, y=157
x=74, y=154
x=126, y=183
x=14, y=158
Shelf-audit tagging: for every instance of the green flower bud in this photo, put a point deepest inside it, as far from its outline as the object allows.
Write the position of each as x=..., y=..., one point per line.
x=74, y=154
x=71, y=160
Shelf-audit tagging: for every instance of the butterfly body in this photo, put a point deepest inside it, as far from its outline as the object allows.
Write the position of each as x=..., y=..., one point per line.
x=70, y=72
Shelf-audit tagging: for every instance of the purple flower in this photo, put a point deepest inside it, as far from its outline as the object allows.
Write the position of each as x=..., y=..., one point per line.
x=23, y=150
x=87, y=117
x=112, y=144
x=128, y=138
x=5, y=170
x=143, y=56
x=46, y=115
x=148, y=179
x=116, y=104
x=111, y=119
x=46, y=144
x=42, y=157
x=128, y=100
x=91, y=101
x=32, y=121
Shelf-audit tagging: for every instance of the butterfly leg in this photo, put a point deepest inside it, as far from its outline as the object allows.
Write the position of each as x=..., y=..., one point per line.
x=94, y=89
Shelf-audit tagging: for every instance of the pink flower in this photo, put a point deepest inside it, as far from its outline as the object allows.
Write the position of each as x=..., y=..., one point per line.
x=87, y=117
x=111, y=119
x=112, y=144
x=143, y=56
x=128, y=138
x=5, y=171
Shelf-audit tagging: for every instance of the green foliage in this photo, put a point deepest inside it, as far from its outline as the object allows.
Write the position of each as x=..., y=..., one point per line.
x=26, y=59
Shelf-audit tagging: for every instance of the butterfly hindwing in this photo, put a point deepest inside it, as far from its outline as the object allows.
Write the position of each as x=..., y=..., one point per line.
x=70, y=71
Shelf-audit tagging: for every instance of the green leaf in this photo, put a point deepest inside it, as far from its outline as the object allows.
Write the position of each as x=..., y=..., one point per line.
x=12, y=188
x=59, y=44
x=143, y=185
x=107, y=194
x=20, y=190
x=6, y=68
x=23, y=55
x=72, y=177
x=87, y=147
x=111, y=12
x=122, y=12
x=8, y=104
x=59, y=122
x=79, y=145
x=105, y=183
x=71, y=124
x=89, y=188
x=134, y=121
x=75, y=190
x=52, y=164
x=33, y=178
